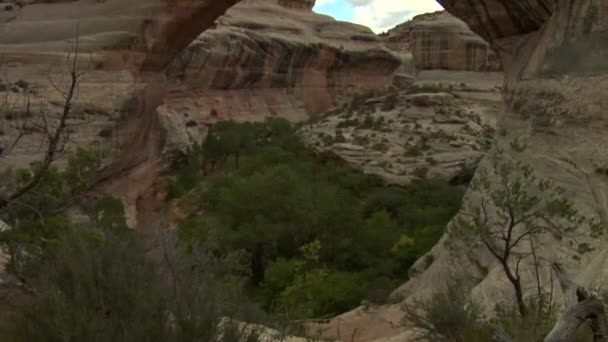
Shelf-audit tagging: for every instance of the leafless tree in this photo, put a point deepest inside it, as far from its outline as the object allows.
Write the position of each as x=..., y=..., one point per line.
x=53, y=128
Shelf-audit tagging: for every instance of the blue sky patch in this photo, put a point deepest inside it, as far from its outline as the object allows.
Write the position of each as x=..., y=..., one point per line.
x=379, y=15
x=339, y=9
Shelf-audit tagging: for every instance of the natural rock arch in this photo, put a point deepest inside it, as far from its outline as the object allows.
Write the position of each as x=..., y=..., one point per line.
x=539, y=42
x=177, y=24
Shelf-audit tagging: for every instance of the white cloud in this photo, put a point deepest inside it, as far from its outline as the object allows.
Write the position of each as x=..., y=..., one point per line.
x=381, y=15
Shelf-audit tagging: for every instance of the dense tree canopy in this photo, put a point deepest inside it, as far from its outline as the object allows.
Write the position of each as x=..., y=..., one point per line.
x=281, y=197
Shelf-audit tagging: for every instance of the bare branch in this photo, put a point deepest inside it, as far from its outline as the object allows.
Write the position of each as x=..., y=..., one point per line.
x=58, y=138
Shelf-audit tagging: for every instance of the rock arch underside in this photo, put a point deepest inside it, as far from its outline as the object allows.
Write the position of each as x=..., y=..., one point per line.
x=554, y=54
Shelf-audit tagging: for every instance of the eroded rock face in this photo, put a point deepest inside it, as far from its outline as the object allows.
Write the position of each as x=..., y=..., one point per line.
x=276, y=58
x=153, y=82
x=122, y=47
x=262, y=58
x=441, y=41
x=555, y=59
x=147, y=33
x=401, y=135
x=553, y=105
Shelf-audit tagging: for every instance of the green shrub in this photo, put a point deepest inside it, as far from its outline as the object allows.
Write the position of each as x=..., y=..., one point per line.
x=367, y=123
x=378, y=123
x=348, y=123
x=413, y=151
x=99, y=285
x=421, y=172
x=326, y=139
x=361, y=140
x=447, y=316
x=321, y=292
x=359, y=100
x=389, y=103
x=380, y=146
x=339, y=138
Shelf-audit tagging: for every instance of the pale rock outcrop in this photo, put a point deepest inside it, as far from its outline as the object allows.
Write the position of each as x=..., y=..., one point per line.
x=556, y=77
x=401, y=135
x=121, y=46
x=441, y=41
x=302, y=4
x=553, y=105
x=248, y=330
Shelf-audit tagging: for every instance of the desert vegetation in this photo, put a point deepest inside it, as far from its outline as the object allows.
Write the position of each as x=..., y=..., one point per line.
x=273, y=232
x=272, y=229
x=317, y=236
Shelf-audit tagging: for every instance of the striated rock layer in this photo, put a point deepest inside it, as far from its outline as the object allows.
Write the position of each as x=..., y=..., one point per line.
x=153, y=81
x=262, y=58
x=122, y=46
x=441, y=41
x=276, y=58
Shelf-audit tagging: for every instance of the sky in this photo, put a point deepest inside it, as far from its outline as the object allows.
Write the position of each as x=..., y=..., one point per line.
x=379, y=15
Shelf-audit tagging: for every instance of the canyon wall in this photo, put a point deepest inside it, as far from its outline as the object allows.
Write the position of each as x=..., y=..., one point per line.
x=268, y=58
x=157, y=73
x=554, y=57
x=441, y=41
x=120, y=46
x=553, y=53
x=262, y=58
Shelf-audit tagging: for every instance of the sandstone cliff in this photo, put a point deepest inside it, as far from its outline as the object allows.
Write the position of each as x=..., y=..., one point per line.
x=120, y=45
x=553, y=105
x=153, y=80
x=554, y=56
x=123, y=50
x=441, y=41
x=269, y=58
x=262, y=58
x=448, y=108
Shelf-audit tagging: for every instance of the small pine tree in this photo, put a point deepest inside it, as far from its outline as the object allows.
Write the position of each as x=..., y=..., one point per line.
x=513, y=209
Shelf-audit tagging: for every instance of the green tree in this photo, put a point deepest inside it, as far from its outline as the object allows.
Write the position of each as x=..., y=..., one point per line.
x=514, y=207
x=38, y=217
x=303, y=288
x=227, y=138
